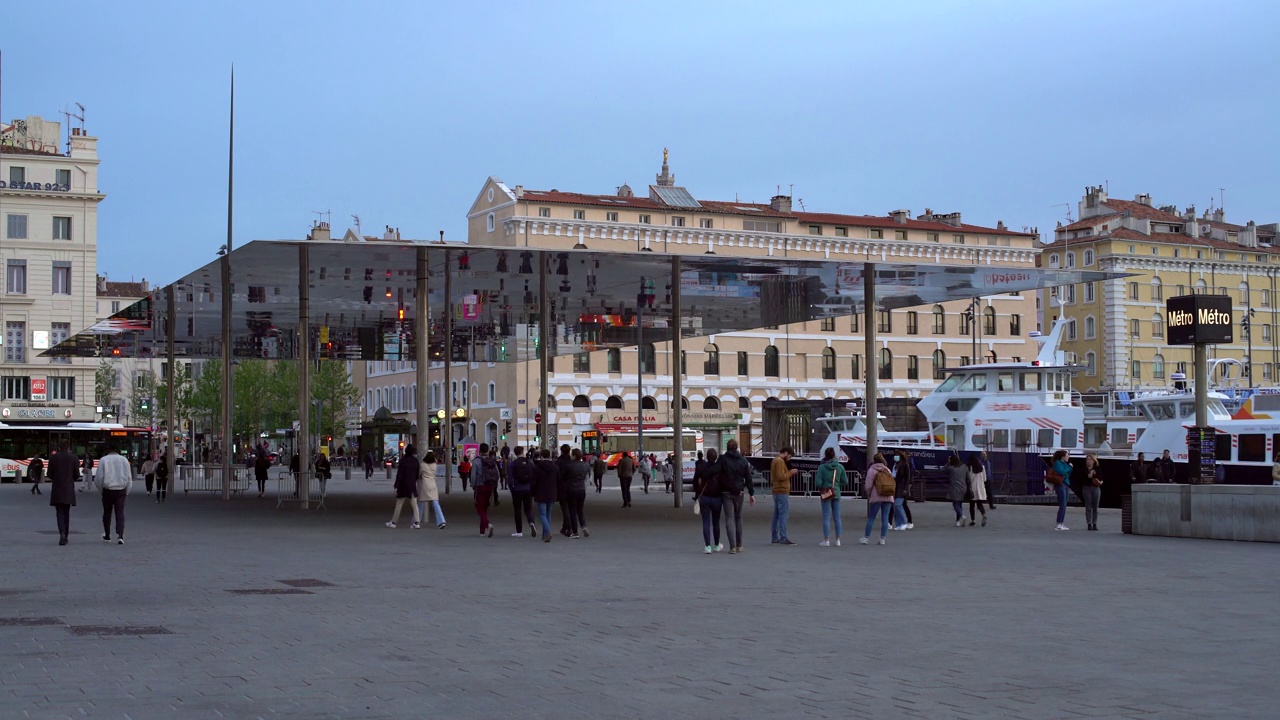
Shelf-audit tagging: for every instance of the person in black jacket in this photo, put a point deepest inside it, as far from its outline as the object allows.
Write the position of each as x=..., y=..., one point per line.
x=575, y=474
x=35, y=471
x=544, y=491
x=262, y=466
x=706, y=492
x=902, y=490
x=735, y=476
x=64, y=466
x=407, y=486
x=521, y=477
x=1164, y=469
x=562, y=495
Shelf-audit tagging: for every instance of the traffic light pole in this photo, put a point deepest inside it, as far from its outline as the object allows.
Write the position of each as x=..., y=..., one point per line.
x=544, y=341
x=446, y=428
x=422, y=350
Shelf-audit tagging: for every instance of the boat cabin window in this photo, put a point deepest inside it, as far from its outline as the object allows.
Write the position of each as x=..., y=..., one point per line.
x=1119, y=436
x=961, y=404
x=1161, y=411
x=1022, y=437
x=1216, y=407
x=950, y=383
x=1275, y=445
x=999, y=439
x=1061, y=382
x=1253, y=448
x=1069, y=438
x=1186, y=409
x=975, y=383
x=1006, y=381
x=1223, y=453
x=1096, y=434
x=1029, y=381
x=1044, y=438
x=979, y=440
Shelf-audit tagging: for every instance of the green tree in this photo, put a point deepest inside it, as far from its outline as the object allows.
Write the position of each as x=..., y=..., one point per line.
x=206, y=396
x=331, y=385
x=180, y=375
x=104, y=383
x=141, y=409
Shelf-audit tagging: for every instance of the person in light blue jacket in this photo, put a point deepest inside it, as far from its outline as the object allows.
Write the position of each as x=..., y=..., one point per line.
x=1063, y=468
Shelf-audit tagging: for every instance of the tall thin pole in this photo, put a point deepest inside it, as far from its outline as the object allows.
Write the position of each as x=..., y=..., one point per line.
x=227, y=460
x=446, y=430
x=873, y=363
x=545, y=336
x=170, y=321
x=304, y=374
x=677, y=388
x=422, y=352
x=640, y=299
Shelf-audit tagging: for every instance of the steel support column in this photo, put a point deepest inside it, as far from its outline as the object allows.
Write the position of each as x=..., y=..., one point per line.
x=872, y=359
x=422, y=350
x=545, y=336
x=304, y=370
x=677, y=384
x=446, y=430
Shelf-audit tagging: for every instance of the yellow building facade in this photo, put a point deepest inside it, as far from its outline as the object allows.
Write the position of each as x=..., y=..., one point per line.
x=1118, y=327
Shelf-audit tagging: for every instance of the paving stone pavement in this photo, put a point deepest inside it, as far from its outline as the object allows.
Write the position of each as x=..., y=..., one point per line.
x=1012, y=620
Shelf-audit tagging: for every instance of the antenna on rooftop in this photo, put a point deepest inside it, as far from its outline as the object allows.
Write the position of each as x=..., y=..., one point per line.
x=69, y=115
x=1221, y=204
x=323, y=216
x=1068, y=207
x=359, y=232
x=801, y=203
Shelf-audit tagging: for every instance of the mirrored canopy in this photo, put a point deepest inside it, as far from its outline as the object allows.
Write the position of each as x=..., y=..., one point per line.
x=362, y=298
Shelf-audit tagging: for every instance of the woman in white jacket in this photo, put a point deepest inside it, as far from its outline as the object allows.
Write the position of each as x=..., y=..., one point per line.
x=428, y=491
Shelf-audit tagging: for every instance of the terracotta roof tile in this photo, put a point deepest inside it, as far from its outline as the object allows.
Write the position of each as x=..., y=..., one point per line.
x=15, y=150
x=1141, y=210
x=122, y=289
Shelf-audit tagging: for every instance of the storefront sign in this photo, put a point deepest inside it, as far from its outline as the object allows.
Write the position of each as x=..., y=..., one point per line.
x=47, y=187
x=39, y=389
x=657, y=419
x=1199, y=319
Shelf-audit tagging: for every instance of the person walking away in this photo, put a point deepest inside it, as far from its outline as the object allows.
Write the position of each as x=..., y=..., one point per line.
x=902, y=477
x=149, y=473
x=830, y=478
x=1092, y=490
x=115, y=477
x=958, y=477
x=262, y=466
x=597, y=470
x=324, y=471
x=86, y=470
x=295, y=468
x=504, y=466
x=735, y=476
x=668, y=472
x=879, y=487
x=986, y=468
x=368, y=465
x=428, y=490
x=162, y=480
x=646, y=471
x=521, y=479
x=406, y=486
x=1059, y=476
x=496, y=480
x=464, y=471
x=1164, y=469
x=484, y=476
x=977, y=490
x=64, y=467
x=1140, y=471
x=562, y=490
x=780, y=474
x=544, y=491
x=35, y=471
x=575, y=484
x=626, y=471
x=708, y=497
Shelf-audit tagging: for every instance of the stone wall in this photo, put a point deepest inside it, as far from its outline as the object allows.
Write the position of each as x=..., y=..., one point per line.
x=1217, y=512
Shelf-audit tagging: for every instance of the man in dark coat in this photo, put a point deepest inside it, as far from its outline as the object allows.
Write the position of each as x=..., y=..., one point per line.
x=545, y=490
x=35, y=471
x=64, y=468
x=261, y=467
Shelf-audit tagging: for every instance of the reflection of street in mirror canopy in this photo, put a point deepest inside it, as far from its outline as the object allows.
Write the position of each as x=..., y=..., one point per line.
x=362, y=299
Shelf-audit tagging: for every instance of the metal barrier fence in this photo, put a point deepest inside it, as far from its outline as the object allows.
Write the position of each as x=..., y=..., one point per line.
x=208, y=478
x=300, y=487
x=805, y=484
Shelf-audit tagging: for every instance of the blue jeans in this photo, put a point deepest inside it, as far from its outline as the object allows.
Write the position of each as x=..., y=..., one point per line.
x=878, y=508
x=959, y=508
x=781, y=511
x=544, y=517
x=899, y=515
x=1061, y=489
x=710, y=509
x=435, y=505
x=831, y=508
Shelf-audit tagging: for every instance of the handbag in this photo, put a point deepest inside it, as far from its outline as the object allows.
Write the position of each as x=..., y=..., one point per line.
x=697, y=508
x=828, y=493
x=1053, y=477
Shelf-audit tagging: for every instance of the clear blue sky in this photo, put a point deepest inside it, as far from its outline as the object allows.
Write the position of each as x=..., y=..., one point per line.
x=398, y=111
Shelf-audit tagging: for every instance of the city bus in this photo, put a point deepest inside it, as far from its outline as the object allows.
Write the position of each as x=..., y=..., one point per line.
x=19, y=443
x=658, y=441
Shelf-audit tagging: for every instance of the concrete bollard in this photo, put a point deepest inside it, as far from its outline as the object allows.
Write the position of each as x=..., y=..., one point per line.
x=388, y=472
x=348, y=471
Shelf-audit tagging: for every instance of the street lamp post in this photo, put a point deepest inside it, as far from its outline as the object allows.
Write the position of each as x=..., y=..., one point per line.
x=1247, y=325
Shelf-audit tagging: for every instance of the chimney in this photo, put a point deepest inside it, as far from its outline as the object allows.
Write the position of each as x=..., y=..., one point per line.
x=927, y=216
x=900, y=216
x=1000, y=225
x=1189, y=213
x=1171, y=209
x=388, y=233
x=320, y=232
x=781, y=203
x=102, y=283
x=146, y=286
x=1219, y=215
x=519, y=191
x=952, y=219
x=1249, y=236
x=1142, y=199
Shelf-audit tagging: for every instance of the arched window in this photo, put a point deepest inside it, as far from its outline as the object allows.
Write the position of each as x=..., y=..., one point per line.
x=648, y=403
x=828, y=364
x=1157, y=326
x=1090, y=328
x=1090, y=363
x=711, y=403
x=493, y=392
x=684, y=404
x=711, y=362
x=1071, y=259
x=491, y=433
x=1053, y=260
x=1157, y=289
x=966, y=322
x=1071, y=329
x=368, y=402
x=404, y=398
x=1244, y=294
x=490, y=222
x=378, y=399
x=615, y=360
x=413, y=397
x=471, y=429
x=744, y=402
x=648, y=359
x=435, y=395
x=939, y=362
x=1157, y=367
x=886, y=364
x=1088, y=258
x=475, y=394
x=613, y=403
x=582, y=402
x=939, y=320
x=771, y=361
x=989, y=321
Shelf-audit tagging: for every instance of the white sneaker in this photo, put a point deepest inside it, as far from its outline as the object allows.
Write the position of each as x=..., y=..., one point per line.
x=519, y=534
x=960, y=522
x=719, y=547
x=824, y=543
x=837, y=542
x=881, y=541
x=863, y=541
x=1061, y=527
x=911, y=526
x=415, y=526
x=391, y=524
x=707, y=550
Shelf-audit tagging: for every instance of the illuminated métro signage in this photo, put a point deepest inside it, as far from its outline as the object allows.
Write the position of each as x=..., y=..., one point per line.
x=1199, y=319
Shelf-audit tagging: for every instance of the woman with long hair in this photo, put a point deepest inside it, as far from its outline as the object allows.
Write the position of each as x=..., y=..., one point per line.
x=707, y=495
x=1061, y=472
x=902, y=475
x=977, y=489
x=1092, y=490
x=830, y=478
x=428, y=490
x=406, y=486
x=958, y=476
x=877, y=503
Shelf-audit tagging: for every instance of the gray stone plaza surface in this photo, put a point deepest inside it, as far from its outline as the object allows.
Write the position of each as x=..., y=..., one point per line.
x=233, y=609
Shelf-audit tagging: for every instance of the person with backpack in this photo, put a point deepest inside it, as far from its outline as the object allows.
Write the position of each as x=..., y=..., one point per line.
x=544, y=491
x=958, y=478
x=902, y=475
x=428, y=490
x=261, y=467
x=597, y=470
x=520, y=479
x=735, y=476
x=626, y=471
x=483, y=482
x=646, y=471
x=162, y=480
x=829, y=479
x=35, y=473
x=709, y=499
x=879, y=487
x=575, y=474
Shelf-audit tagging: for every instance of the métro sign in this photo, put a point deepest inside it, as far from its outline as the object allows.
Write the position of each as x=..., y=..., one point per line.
x=1199, y=319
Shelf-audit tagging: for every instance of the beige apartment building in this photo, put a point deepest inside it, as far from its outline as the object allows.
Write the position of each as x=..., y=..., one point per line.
x=49, y=245
x=1117, y=328
x=726, y=377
